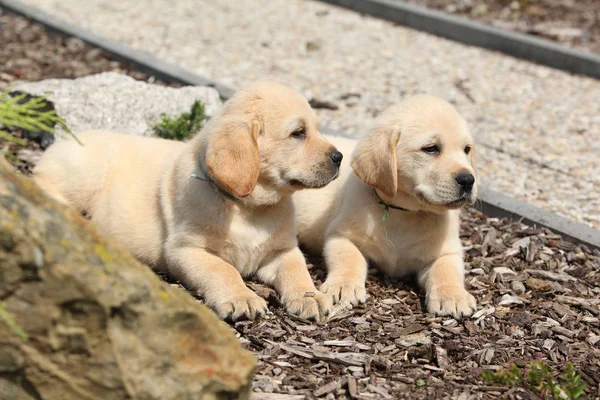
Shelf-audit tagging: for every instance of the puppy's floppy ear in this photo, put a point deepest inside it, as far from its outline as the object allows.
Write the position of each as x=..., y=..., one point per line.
x=232, y=157
x=374, y=159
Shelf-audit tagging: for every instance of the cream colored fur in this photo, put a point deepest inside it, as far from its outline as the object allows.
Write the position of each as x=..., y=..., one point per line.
x=261, y=147
x=344, y=219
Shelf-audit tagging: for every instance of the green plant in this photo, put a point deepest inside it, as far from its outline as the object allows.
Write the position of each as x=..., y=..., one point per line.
x=184, y=126
x=22, y=111
x=572, y=384
x=539, y=378
x=18, y=114
x=510, y=376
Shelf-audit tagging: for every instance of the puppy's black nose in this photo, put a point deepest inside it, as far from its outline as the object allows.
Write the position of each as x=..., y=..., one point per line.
x=465, y=181
x=336, y=157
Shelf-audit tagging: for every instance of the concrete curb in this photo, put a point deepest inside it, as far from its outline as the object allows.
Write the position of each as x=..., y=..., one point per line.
x=120, y=52
x=499, y=205
x=462, y=30
x=490, y=202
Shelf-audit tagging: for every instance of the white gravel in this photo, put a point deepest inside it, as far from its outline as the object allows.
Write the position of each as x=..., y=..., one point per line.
x=538, y=129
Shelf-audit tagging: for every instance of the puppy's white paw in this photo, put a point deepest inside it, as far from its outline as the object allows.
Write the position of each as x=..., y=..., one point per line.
x=343, y=290
x=308, y=305
x=244, y=306
x=450, y=300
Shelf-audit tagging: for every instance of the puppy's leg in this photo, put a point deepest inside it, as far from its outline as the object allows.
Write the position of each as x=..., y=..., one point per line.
x=445, y=288
x=347, y=271
x=217, y=281
x=289, y=275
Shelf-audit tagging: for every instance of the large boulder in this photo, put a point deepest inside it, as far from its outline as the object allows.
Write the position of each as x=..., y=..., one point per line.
x=118, y=102
x=80, y=318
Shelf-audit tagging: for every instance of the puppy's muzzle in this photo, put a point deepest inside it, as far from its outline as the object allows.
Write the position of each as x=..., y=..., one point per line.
x=328, y=170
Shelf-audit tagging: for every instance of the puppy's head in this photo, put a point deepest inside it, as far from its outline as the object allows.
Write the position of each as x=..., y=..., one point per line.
x=423, y=148
x=268, y=133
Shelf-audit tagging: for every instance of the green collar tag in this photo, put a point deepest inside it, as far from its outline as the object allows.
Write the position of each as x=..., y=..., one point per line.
x=386, y=207
x=386, y=212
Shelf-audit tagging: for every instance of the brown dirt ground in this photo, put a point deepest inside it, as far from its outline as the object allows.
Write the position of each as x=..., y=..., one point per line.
x=575, y=23
x=538, y=296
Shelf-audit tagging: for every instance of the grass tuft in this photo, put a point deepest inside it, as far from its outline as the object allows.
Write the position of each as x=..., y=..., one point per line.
x=539, y=378
x=183, y=127
x=15, y=113
x=26, y=112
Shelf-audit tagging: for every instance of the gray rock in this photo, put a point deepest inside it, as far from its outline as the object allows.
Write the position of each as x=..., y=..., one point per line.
x=118, y=102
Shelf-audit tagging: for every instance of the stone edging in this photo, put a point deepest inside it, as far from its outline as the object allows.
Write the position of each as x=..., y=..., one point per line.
x=462, y=30
x=490, y=202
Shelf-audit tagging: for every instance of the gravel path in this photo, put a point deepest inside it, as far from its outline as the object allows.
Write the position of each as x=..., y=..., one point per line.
x=538, y=129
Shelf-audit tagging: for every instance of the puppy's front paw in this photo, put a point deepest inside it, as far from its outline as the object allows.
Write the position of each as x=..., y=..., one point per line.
x=308, y=305
x=244, y=306
x=345, y=290
x=450, y=300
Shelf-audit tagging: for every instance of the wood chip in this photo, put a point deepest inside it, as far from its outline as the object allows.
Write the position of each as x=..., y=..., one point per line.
x=276, y=396
x=339, y=343
x=441, y=355
x=295, y=350
x=563, y=331
x=380, y=391
x=586, y=304
x=487, y=356
x=328, y=388
x=483, y=312
x=352, y=388
x=508, y=300
x=356, y=359
x=412, y=340
x=410, y=329
x=553, y=276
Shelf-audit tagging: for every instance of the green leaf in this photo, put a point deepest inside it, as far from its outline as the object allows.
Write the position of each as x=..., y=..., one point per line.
x=576, y=393
x=12, y=157
x=420, y=383
x=8, y=320
x=8, y=137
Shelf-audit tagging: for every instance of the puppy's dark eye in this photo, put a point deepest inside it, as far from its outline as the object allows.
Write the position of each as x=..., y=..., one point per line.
x=467, y=149
x=433, y=149
x=300, y=134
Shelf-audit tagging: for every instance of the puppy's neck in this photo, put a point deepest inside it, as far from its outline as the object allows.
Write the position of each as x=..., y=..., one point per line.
x=263, y=195
x=409, y=204
x=400, y=202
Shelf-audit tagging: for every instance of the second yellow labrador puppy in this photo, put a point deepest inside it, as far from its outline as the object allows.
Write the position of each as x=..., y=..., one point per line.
x=398, y=207
x=213, y=209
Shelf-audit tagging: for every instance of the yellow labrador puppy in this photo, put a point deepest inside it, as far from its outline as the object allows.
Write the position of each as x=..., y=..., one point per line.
x=399, y=208
x=213, y=209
